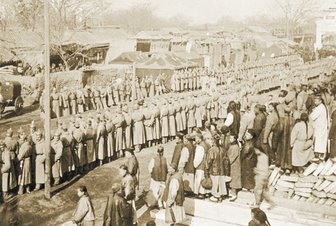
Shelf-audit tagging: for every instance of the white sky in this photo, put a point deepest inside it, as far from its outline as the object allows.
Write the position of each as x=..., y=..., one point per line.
x=208, y=11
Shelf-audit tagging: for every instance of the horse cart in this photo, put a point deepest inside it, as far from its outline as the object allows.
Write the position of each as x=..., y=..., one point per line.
x=10, y=97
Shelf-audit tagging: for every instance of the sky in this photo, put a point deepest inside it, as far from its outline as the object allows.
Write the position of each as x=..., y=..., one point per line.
x=209, y=11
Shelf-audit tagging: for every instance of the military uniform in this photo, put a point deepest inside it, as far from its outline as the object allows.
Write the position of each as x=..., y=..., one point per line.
x=7, y=170
x=55, y=104
x=56, y=158
x=25, y=157
x=68, y=164
x=101, y=140
x=79, y=151
x=73, y=103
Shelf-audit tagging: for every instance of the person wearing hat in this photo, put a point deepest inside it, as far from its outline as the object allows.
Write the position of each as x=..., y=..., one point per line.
x=79, y=152
x=301, y=98
x=40, y=149
x=188, y=169
x=149, y=125
x=246, y=122
x=156, y=126
x=158, y=169
x=90, y=145
x=80, y=99
x=129, y=186
x=233, y=154
x=25, y=158
x=117, y=210
x=176, y=158
x=68, y=165
x=199, y=162
x=319, y=119
x=64, y=102
x=128, y=128
x=173, y=196
x=73, y=102
x=164, y=123
x=56, y=157
x=132, y=165
x=191, y=120
x=55, y=103
x=9, y=181
x=248, y=160
x=32, y=132
x=101, y=140
x=110, y=130
x=171, y=120
x=261, y=179
x=139, y=136
x=13, y=147
x=233, y=118
x=214, y=166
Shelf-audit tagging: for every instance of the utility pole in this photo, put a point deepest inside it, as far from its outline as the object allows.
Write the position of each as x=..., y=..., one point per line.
x=47, y=191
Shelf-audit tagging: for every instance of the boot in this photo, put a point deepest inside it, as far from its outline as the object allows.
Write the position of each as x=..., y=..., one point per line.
x=57, y=181
x=38, y=187
x=21, y=188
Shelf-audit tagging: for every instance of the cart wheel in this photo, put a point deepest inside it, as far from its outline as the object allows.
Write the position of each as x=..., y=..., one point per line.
x=18, y=105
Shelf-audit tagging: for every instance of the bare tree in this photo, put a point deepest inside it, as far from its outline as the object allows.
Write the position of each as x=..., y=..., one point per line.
x=296, y=13
x=29, y=13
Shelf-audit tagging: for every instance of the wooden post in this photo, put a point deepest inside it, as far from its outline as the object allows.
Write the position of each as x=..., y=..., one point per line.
x=47, y=191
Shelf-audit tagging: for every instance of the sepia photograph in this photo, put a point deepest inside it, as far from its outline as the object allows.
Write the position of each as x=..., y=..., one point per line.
x=167, y=112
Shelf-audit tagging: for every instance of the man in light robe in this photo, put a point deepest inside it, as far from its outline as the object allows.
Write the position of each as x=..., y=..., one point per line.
x=199, y=164
x=319, y=119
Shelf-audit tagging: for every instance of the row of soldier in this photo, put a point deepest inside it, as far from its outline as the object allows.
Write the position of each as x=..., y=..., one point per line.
x=67, y=101
x=101, y=137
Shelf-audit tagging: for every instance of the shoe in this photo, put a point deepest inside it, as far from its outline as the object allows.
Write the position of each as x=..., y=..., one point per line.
x=233, y=198
x=214, y=199
x=200, y=196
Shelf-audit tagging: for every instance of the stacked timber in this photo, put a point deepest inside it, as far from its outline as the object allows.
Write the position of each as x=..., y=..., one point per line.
x=317, y=184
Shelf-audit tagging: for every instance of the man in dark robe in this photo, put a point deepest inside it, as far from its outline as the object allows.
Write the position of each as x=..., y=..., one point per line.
x=178, y=148
x=118, y=212
x=133, y=166
x=248, y=160
x=283, y=135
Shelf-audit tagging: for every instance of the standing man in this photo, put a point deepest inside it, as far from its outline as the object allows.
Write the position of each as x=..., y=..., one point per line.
x=117, y=211
x=25, y=157
x=12, y=146
x=101, y=139
x=79, y=137
x=158, y=168
x=319, y=118
x=40, y=160
x=199, y=164
x=133, y=166
x=174, y=197
x=68, y=164
x=56, y=155
x=261, y=179
x=7, y=171
x=90, y=145
x=189, y=169
x=128, y=184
